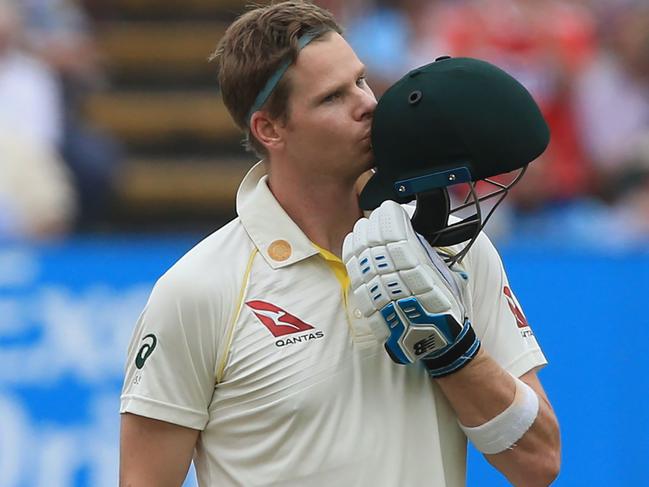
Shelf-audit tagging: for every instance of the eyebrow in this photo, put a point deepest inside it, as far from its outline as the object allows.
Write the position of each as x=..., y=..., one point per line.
x=339, y=87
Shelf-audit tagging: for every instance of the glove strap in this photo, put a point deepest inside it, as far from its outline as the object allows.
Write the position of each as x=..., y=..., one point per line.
x=457, y=356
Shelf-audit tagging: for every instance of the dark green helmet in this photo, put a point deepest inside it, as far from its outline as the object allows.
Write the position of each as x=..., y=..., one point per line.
x=456, y=120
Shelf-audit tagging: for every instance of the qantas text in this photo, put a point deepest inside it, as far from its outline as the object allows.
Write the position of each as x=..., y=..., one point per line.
x=299, y=339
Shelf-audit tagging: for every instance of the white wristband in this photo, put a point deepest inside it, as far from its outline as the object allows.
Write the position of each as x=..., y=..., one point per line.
x=501, y=432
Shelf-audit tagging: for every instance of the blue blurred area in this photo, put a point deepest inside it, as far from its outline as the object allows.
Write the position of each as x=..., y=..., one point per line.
x=67, y=312
x=588, y=308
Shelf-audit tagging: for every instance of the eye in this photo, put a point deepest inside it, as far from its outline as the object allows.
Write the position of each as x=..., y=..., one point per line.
x=332, y=97
x=361, y=80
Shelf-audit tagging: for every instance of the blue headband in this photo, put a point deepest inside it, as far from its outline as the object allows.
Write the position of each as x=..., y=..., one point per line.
x=272, y=82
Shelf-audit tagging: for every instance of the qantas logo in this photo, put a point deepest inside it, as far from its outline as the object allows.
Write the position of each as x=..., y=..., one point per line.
x=278, y=321
x=521, y=321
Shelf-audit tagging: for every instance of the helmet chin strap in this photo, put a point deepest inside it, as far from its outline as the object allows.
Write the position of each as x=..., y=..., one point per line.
x=433, y=210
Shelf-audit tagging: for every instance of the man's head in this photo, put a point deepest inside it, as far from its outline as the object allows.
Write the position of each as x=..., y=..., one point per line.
x=255, y=47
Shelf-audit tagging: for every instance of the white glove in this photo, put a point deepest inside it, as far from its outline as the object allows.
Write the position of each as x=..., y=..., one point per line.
x=410, y=298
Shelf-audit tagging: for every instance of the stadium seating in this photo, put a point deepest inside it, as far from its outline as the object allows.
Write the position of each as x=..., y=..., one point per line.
x=162, y=102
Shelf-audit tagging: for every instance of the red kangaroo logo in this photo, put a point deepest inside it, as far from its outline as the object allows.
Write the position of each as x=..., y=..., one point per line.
x=278, y=321
x=521, y=321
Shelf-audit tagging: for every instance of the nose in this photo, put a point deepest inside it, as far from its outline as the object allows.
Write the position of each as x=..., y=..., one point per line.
x=366, y=103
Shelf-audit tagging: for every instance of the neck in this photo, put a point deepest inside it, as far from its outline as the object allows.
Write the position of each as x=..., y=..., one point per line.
x=324, y=209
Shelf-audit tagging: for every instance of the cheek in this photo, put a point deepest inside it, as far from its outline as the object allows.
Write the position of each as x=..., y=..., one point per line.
x=342, y=129
x=329, y=134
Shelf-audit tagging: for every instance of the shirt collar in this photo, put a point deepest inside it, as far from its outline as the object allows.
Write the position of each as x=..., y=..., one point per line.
x=275, y=235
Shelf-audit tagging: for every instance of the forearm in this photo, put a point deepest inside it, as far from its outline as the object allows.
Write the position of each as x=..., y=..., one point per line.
x=482, y=390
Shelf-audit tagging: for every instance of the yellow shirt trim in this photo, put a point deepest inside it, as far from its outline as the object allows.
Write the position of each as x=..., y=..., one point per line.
x=337, y=266
x=226, y=351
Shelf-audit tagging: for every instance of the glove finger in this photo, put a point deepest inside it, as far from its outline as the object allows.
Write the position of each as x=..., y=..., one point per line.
x=382, y=260
x=402, y=255
x=361, y=299
x=435, y=302
x=354, y=272
x=378, y=293
x=374, y=229
x=394, y=285
x=391, y=220
x=366, y=265
x=360, y=236
x=418, y=280
x=348, y=247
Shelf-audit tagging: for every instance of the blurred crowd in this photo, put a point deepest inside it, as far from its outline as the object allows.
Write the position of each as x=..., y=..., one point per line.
x=586, y=62
x=56, y=171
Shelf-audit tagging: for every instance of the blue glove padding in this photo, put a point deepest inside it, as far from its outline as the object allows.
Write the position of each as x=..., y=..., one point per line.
x=437, y=339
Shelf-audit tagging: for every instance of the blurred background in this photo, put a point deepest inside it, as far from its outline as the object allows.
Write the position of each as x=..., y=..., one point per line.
x=117, y=156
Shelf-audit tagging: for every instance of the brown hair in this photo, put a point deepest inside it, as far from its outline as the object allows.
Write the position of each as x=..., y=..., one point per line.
x=254, y=46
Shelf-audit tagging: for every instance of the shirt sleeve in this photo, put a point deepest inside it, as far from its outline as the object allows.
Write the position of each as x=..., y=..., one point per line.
x=497, y=316
x=172, y=357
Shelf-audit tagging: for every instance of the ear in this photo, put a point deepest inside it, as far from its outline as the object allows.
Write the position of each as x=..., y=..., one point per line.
x=265, y=130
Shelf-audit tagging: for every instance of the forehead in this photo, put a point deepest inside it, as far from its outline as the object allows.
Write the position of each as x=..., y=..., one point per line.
x=322, y=64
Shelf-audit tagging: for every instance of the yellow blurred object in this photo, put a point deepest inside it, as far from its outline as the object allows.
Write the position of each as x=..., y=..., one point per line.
x=149, y=116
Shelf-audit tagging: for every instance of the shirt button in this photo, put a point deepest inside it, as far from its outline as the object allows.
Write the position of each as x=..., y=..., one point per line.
x=358, y=314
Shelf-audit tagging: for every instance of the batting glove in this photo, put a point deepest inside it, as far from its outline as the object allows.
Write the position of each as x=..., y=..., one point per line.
x=407, y=293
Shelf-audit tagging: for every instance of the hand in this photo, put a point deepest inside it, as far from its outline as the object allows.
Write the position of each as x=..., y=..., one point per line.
x=411, y=299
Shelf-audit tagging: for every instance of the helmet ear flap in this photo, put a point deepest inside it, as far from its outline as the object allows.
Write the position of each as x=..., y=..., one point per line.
x=432, y=212
x=431, y=220
x=458, y=232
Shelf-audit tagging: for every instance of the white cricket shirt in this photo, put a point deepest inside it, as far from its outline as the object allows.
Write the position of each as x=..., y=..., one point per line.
x=248, y=338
